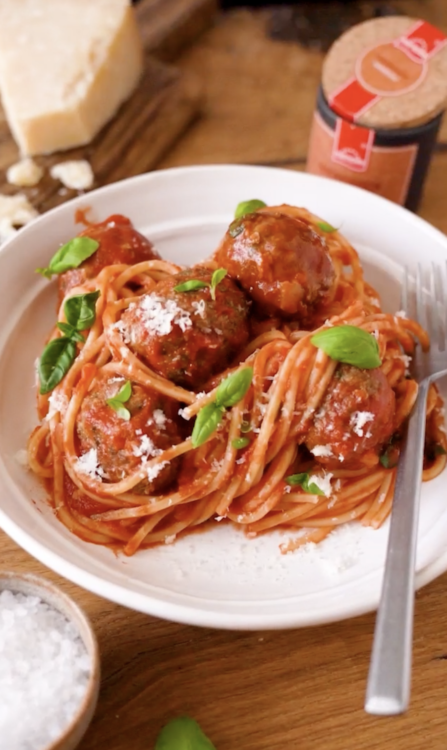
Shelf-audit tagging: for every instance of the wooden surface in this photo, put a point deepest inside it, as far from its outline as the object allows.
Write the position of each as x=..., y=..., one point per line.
x=301, y=689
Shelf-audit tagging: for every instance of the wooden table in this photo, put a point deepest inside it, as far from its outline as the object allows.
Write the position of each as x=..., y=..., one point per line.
x=300, y=689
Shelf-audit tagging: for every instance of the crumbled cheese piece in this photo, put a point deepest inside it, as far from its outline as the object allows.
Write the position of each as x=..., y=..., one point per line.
x=88, y=464
x=58, y=403
x=322, y=450
x=15, y=211
x=118, y=379
x=341, y=457
x=401, y=314
x=323, y=482
x=158, y=314
x=77, y=175
x=122, y=329
x=24, y=173
x=199, y=307
x=153, y=471
x=146, y=448
x=160, y=418
x=358, y=421
x=182, y=413
x=219, y=518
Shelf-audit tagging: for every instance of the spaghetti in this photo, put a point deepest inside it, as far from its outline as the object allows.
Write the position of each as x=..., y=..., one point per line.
x=128, y=471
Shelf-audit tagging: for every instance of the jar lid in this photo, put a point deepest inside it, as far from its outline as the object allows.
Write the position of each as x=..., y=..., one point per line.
x=388, y=73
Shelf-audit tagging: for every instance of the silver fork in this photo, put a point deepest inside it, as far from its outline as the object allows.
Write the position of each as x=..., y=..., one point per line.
x=388, y=688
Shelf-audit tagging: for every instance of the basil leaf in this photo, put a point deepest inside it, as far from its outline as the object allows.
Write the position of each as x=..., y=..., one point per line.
x=191, y=285
x=70, y=255
x=236, y=228
x=245, y=426
x=350, y=345
x=183, y=733
x=302, y=480
x=71, y=332
x=325, y=227
x=56, y=360
x=120, y=398
x=117, y=406
x=80, y=310
x=124, y=393
x=234, y=387
x=241, y=442
x=207, y=421
x=216, y=278
x=248, y=207
x=439, y=450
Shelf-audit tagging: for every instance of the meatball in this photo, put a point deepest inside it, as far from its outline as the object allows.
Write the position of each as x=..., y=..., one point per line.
x=279, y=260
x=118, y=241
x=124, y=445
x=188, y=336
x=355, y=417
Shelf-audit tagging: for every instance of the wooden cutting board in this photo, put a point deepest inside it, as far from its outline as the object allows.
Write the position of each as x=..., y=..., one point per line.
x=164, y=104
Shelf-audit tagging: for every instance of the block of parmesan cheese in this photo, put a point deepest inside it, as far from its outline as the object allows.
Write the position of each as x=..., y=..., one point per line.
x=65, y=68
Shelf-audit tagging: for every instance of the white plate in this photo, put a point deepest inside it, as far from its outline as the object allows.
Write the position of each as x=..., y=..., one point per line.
x=218, y=578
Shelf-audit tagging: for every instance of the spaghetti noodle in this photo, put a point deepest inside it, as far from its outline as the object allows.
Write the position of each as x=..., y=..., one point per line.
x=116, y=445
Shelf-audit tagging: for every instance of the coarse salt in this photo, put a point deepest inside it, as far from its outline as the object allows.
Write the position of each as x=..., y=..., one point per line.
x=44, y=672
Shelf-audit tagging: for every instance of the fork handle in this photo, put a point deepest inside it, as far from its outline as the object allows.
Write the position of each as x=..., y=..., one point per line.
x=388, y=688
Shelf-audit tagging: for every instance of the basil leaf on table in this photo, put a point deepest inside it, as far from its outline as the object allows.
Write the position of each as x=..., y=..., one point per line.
x=70, y=332
x=302, y=480
x=70, y=255
x=350, y=345
x=183, y=733
x=207, y=421
x=56, y=360
x=191, y=285
x=234, y=387
x=248, y=207
x=80, y=310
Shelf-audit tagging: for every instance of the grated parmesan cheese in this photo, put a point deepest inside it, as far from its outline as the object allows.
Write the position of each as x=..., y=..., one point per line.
x=358, y=421
x=322, y=450
x=88, y=464
x=323, y=482
x=58, y=403
x=153, y=471
x=146, y=448
x=158, y=315
x=160, y=418
x=199, y=308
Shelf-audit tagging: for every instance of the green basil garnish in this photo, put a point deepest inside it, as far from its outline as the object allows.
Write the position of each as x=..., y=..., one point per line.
x=248, y=207
x=70, y=255
x=117, y=401
x=302, y=480
x=207, y=422
x=325, y=227
x=234, y=387
x=350, y=345
x=71, y=332
x=80, y=310
x=439, y=450
x=56, y=360
x=216, y=278
x=191, y=286
x=183, y=733
x=241, y=442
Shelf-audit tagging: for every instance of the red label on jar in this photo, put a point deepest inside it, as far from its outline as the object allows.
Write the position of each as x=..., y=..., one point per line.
x=388, y=69
x=349, y=155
